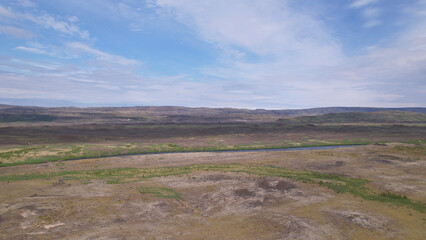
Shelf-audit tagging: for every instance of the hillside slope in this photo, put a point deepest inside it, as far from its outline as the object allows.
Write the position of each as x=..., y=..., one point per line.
x=361, y=117
x=174, y=114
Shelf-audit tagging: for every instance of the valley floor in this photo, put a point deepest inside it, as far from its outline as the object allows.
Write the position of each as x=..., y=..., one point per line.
x=376, y=191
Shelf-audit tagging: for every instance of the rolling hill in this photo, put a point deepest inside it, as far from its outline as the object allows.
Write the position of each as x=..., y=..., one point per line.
x=175, y=114
x=362, y=117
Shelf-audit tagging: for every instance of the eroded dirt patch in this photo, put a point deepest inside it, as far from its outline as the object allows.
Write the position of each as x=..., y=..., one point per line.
x=280, y=185
x=360, y=219
x=244, y=193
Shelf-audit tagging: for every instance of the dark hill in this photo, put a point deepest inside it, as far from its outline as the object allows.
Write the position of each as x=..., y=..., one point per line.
x=362, y=117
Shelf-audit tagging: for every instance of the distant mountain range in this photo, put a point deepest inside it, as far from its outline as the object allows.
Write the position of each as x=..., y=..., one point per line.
x=326, y=110
x=11, y=113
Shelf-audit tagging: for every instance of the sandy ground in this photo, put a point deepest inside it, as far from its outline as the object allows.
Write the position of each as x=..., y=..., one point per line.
x=219, y=205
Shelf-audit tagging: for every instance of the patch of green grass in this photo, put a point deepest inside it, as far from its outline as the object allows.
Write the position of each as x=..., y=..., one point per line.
x=402, y=200
x=416, y=141
x=137, y=118
x=337, y=183
x=84, y=151
x=60, y=164
x=393, y=196
x=18, y=153
x=115, y=181
x=163, y=192
x=76, y=149
x=417, y=150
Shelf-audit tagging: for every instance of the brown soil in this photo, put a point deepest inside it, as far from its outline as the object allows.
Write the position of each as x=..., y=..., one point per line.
x=279, y=185
x=244, y=193
x=218, y=205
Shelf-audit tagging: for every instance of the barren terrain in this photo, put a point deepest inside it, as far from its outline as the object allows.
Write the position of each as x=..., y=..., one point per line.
x=376, y=190
x=217, y=203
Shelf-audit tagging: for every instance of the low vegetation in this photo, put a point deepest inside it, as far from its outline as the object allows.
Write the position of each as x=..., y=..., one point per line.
x=18, y=153
x=337, y=183
x=412, y=150
x=5, y=118
x=163, y=192
x=54, y=153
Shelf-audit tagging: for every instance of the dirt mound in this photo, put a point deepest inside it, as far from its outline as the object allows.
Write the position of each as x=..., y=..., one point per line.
x=296, y=228
x=339, y=163
x=388, y=159
x=154, y=210
x=360, y=219
x=216, y=177
x=59, y=182
x=244, y=193
x=279, y=185
x=380, y=144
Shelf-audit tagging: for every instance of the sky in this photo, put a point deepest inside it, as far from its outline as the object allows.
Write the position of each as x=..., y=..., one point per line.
x=270, y=54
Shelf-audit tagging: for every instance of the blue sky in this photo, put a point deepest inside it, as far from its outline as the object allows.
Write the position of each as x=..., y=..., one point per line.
x=271, y=54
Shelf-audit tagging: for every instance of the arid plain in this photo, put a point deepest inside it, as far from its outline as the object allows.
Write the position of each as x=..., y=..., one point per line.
x=185, y=188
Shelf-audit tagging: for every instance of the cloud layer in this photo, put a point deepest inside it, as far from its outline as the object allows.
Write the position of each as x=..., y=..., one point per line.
x=260, y=54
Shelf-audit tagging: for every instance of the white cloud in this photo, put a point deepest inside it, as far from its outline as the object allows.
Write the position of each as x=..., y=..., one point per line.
x=47, y=21
x=87, y=80
x=307, y=67
x=264, y=28
x=371, y=12
x=73, y=19
x=82, y=49
x=30, y=49
x=50, y=22
x=362, y=3
x=371, y=23
x=271, y=56
x=396, y=71
x=26, y=3
x=16, y=32
x=371, y=16
x=64, y=81
x=118, y=11
x=6, y=13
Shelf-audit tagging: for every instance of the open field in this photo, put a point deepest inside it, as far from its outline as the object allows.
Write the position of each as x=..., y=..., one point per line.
x=368, y=192
x=33, y=144
x=376, y=190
